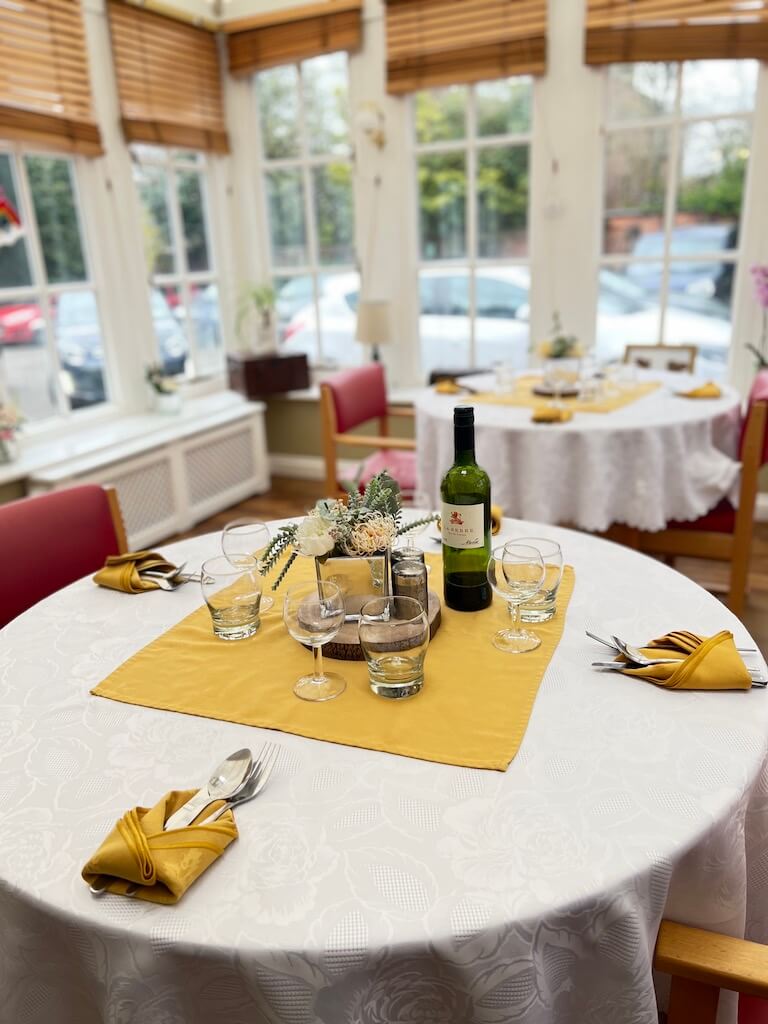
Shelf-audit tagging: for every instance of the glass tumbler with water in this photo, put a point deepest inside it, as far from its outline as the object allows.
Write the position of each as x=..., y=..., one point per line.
x=233, y=596
x=542, y=607
x=394, y=635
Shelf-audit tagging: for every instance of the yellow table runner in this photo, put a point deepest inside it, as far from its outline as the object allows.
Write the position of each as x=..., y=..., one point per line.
x=473, y=710
x=523, y=396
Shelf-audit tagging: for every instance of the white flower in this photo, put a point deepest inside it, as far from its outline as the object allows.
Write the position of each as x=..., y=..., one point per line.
x=314, y=536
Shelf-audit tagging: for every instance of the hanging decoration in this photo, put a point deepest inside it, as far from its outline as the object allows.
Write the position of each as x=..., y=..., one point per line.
x=11, y=229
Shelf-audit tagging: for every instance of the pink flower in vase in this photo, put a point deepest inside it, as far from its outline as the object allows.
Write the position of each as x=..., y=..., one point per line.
x=760, y=277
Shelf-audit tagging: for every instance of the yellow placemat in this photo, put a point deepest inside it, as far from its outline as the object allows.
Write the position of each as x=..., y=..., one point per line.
x=523, y=396
x=473, y=710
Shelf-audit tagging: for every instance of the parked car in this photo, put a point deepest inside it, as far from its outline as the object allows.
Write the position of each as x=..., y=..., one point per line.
x=21, y=324
x=81, y=354
x=625, y=315
x=703, y=278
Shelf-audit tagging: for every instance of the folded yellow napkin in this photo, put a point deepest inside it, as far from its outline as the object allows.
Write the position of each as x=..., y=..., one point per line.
x=708, y=390
x=162, y=864
x=448, y=387
x=705, y=663
x=549, y=414
x=123, y=572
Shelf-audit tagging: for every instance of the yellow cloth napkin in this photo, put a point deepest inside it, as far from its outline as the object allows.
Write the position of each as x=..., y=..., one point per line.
x=549, y=414
x=708, y=390
x=447, y=387
x=123, y=572
x=162, y=864
x=705, y=663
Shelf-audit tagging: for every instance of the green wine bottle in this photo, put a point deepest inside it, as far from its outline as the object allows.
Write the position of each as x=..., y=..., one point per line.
x=466, y=521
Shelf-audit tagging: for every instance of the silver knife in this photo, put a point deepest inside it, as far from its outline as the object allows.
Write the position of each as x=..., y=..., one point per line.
x=223, y=783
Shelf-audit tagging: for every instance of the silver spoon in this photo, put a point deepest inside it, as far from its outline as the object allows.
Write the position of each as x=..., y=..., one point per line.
x=253, y=786
x=636, y=655
x=225, y=781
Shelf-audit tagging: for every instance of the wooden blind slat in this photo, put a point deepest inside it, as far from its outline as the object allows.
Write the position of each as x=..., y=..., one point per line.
x=45, y=89
x=624, y=31
x=294, y=34
x=168, y=79
x=442, y=42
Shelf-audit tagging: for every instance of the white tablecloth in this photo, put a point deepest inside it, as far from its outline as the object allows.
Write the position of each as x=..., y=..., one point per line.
x=660, y=458
x=367, y=888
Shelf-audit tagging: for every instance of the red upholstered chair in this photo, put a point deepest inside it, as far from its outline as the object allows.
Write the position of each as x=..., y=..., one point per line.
x=725, y=533
x=353, y=397
x=51, y=540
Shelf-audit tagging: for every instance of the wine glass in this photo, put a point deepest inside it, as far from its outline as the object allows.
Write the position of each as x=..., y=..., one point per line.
x=419, y=502
x=313, y=614
x=243, y=539
x=516, y=573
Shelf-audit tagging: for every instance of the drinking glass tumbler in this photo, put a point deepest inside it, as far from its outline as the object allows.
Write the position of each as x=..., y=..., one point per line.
x=313, y=614
x=515, y=572
x=233, y=596
x=247, y=538
x=394, y=635
x=542, y=607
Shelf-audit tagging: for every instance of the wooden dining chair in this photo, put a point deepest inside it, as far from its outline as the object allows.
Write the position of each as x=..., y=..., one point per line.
x=725, y=532
x=51, y=540
x=349, y=399
x=680, y=358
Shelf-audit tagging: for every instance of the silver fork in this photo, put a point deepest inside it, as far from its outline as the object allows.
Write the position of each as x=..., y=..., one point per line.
x=257, y=780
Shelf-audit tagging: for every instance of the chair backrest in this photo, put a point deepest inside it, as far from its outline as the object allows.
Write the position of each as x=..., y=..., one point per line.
x=662, y=357
x=358, y=395
x=51, y=540
x=758, y=393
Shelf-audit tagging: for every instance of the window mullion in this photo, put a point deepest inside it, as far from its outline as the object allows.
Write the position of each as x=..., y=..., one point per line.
x=471, y=215
x=310, y=232
x=670, y=204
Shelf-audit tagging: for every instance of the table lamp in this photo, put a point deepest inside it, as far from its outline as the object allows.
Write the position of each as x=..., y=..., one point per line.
x=373, y=325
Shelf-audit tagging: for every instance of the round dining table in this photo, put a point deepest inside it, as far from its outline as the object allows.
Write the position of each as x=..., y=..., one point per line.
x=659, y=458
x=370, y=888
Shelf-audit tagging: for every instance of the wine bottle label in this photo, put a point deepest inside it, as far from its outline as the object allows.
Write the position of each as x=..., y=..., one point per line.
x=463, y=526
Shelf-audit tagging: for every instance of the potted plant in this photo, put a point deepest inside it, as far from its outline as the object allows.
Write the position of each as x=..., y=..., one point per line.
x=10, y=422
x=256, y=324
x=167, y=397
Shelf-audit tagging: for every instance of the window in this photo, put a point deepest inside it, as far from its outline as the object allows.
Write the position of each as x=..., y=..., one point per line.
x=184, y=295
x=307, y=159
x=677, y=142
x=472, y=157
x=51, y=345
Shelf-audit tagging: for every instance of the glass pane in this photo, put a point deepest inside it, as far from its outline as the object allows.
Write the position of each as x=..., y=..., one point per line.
x=192, y=206
x=206, y=324
x=326, y=110
x=444, y=328
x=719, y=86
x=638, y=91
x=704, y=322
x=334, y=213
x=714, y=159
x=25, y=359
x=635, y=187
x=504, y=106
x=628, y=309
x=14, y=263
x=442, y=205
x=169, y=317
x=53, y=197
x=152, y=154
x=285, y=194
x=502, y=201
x=441, y=114
x=187, y=156
x=152, y=184
x=339, y=295
x=296, y=315
x=81, y=351
x=502, y=306
x=278, y=95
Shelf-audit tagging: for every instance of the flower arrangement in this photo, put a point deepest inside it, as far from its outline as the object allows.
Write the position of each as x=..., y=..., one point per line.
x=364, y=525
x=560, y=345
x=760, y=351
x=160, y=383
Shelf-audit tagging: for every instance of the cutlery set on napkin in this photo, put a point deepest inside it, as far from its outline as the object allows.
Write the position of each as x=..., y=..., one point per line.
x=139, y=571
x=156, y=853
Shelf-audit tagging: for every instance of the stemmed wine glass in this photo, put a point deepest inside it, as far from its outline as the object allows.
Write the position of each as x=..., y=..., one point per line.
x=419, y=502
x=313, y=614
x=516, y=573
x=243, y=539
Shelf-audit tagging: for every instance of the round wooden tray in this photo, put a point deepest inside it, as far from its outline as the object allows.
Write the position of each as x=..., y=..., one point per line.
x=547, y=391
x=345, y=646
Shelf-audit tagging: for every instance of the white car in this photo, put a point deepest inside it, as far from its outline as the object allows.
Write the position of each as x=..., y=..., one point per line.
x=625, y=316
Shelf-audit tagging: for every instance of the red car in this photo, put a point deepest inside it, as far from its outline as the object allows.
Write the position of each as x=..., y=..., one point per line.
x=21, y=324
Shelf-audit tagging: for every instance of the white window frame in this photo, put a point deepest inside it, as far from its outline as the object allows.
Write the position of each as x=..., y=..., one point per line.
x=306, y=162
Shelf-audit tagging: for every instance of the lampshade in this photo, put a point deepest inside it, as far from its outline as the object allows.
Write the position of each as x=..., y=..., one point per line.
x=373, y=327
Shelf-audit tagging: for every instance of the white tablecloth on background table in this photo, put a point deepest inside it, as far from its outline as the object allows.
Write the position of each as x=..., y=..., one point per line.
x=367, y=888
x=660, y=458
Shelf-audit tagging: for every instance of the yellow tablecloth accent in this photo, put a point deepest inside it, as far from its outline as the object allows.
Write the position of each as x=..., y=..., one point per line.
x=162, y=864
x=550, y=414
x=473, y=710
x=705, y=663
x=524, y=397
x=123, y=572
x=708, y=390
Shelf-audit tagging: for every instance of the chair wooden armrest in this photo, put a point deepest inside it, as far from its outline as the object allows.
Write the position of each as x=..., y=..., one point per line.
x=117, y=519
x=701, y=963
x=401, y=410
x=368, y=441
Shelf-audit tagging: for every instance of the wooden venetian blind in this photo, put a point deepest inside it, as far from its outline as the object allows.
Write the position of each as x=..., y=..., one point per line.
x=168, y=79
x=622, y=31
x=45, y=91
x=293, y=34
x=443, y=42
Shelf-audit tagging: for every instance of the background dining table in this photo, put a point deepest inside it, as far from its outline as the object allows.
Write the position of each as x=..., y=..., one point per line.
x=367, y=887
x=659, y=458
